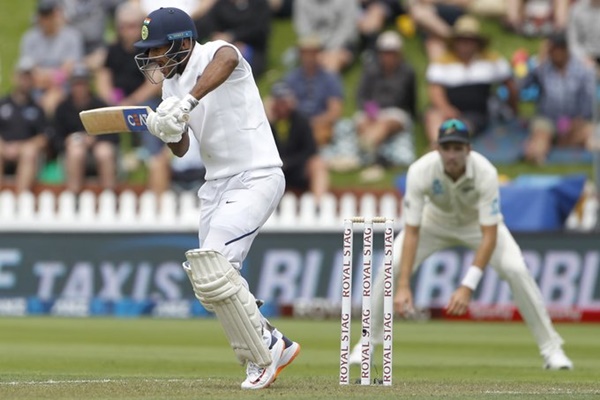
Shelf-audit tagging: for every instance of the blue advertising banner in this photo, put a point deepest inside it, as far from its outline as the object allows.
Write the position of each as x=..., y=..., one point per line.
x=128, y=274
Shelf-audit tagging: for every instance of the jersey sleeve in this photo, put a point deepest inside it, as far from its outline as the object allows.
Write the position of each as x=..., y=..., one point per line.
x=414, y=198
x=489, y=200
x=242, y=68
x=217, y=44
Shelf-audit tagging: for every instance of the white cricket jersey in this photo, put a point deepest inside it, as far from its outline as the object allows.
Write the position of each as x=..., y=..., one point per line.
x=229, y=123
x=431, y=194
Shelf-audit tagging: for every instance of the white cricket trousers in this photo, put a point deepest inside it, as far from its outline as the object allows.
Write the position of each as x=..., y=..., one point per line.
x=232, y=210
x=507, y=260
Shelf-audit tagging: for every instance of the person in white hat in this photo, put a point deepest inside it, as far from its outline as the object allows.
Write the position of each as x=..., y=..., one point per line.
x=387, y=102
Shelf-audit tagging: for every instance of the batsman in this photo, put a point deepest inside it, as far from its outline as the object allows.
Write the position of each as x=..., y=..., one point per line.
x=212, y=83
x=452, y=199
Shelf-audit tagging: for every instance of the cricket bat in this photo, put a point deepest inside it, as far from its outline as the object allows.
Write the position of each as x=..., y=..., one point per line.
x=116, y=119
x=101, y=121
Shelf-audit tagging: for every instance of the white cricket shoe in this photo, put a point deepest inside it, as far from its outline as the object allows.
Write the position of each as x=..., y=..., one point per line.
x=557, y=360
x=356, y=354
x=259, y=377
x=288, y=355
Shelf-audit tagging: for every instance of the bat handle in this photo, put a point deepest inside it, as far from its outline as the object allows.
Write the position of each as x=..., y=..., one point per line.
x=184, y=118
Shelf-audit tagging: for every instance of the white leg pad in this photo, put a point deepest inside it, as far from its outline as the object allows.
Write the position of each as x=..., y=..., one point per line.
x=188, y=270
x=220, y=289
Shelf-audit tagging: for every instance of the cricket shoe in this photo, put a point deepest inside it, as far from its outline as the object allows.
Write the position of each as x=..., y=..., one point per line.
x=290, y=352
x=557, y=360
x=356, y=354
x=261, y=377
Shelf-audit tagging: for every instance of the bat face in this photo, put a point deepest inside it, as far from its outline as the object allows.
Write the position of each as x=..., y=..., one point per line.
x=116, y=119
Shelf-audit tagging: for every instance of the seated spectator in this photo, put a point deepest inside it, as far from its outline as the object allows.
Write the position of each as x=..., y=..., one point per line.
x=76, y=143
x=54, y=48
x=119, y=82
x=537, y=17
x=303, y=168
x=334, y=22
x=435, y=20
x=246, y=24
x=194, y=8
x=583, y=31
x=386, y=98
x=197, y=9
x=460, y=82
x=90, y=19
x=319, y=93
x=564, y=108
x=374, y=16
x=22, y=131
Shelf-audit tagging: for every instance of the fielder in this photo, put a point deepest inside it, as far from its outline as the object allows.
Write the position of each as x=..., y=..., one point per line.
x=452, y=199
x=209, y=89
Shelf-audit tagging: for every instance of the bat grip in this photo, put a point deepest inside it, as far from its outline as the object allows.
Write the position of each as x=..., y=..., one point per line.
x=184, y=118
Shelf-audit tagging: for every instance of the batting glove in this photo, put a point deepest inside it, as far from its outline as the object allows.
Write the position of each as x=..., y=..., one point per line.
x=164, y=128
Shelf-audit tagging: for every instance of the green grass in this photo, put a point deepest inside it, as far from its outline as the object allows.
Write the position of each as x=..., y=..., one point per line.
x=15, y=18
x=56, y=358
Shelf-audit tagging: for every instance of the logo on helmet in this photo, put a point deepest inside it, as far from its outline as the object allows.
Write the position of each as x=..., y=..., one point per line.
x=145, y=28
x=450, y=130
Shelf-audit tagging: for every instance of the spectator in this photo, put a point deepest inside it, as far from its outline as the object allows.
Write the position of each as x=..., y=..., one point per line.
x=387, y=100
x=303, y=168
x=374, y=16
x=334, y=22
x=119, y=82
x=460, y=82
x=54, y=49
x=197, y=9
x=537, y=17
x=319, y=92
x=564, y=108
x=583, y=31
x=435, y=19
x=22, y=131
x=89, y=17
x=76, y=143
x=245, y=23
x=194, y=8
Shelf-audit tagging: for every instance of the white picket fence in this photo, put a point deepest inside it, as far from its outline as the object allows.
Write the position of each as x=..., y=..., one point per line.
x=179, y=212
x=173, y=211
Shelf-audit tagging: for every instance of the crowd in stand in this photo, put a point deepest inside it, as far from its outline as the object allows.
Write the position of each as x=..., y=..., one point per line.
x=65, y=66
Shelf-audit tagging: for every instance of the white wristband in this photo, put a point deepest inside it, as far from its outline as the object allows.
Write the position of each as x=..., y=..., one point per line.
x=191, y=100
x=472, y=277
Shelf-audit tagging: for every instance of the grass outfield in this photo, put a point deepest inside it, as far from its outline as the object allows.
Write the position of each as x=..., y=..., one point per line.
x=55, y=358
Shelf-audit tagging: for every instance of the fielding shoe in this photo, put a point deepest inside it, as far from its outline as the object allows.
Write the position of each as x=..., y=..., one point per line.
x=356, y=354
x=259, y=377
x=557, y=360
x=288, y=355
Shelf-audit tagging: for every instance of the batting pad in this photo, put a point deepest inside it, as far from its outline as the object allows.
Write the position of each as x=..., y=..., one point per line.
x=220, y=287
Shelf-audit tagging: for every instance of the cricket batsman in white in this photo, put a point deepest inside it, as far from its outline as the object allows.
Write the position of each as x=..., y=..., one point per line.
x=452, y=199
x=208, y=90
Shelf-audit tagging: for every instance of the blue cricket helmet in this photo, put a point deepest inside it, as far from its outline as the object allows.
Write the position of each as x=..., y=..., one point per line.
x=165, y=26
